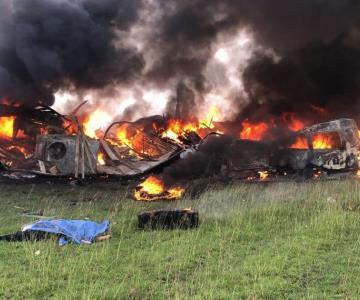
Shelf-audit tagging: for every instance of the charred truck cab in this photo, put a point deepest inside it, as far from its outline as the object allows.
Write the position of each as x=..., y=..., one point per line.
x=332, y=145
x=329, y=147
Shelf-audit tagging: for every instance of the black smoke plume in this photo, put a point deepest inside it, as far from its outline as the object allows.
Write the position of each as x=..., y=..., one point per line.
x=188, y=28
x=46, y=45
x=214, y=155
x=316, y=42
x=319, y=75
x=203, y=163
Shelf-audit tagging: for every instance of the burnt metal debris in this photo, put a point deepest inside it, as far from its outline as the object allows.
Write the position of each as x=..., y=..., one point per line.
x=60, y=151
x=248, y=157
x=124, y=160
x=33, y=120
x=345, y=157
x=52, y=151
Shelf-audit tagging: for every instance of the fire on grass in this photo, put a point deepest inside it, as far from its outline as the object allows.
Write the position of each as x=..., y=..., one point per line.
x=153, y=189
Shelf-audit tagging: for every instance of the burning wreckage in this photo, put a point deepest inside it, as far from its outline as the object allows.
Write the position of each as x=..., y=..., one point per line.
x=319, y=150
x=40, y=142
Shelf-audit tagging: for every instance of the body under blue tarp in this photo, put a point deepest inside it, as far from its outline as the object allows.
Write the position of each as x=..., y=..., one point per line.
x=77, y=231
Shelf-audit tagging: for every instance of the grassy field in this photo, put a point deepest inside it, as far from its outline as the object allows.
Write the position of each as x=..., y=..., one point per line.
x=255, y=241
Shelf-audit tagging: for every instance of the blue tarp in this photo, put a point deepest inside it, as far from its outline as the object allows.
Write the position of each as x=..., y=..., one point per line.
x=78, y=231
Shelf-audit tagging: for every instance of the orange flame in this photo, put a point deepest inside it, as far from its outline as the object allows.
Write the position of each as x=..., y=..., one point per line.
x=319, y=141
x=135, y=139
x=322, y=141
x=300, y=143
x=20, y=149
x=256, y=131
x=7, y=127
x=95, y=122
x=70, y=127
x=293, y=123
x=122, y=135
x=178, y=128
x=152, y=185
x=211, y=116
x=253, y=131
x=263, y=175
x=100, y=159
x=153, y=189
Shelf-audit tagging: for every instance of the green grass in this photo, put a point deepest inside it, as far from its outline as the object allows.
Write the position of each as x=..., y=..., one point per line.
x=268, y=241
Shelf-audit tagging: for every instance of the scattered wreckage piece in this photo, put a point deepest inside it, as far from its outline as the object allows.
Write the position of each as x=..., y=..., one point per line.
x=340, y=155
x=135, y=166
x=57, y=153
x=345, y=157
x=55, y=145
x=64, y=155
x=63, y=152
x=169, y=219
x=129, y=167
x=124, y=160
x=18, y=148
x=249, y=158
x=33, y=120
